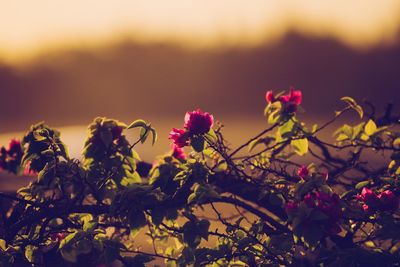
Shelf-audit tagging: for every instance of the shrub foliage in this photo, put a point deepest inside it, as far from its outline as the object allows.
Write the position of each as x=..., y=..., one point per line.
x=286, y=197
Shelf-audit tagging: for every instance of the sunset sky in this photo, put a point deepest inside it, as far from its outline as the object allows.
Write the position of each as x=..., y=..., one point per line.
x=28, y=27
x=68, y=61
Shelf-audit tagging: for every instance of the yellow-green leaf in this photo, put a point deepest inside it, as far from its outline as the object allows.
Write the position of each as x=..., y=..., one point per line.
x=3, y=244
x=359, y=110
x=349, y=100
x=370, y=128
x=137, y=123
x=396, y=142
x=300, y=146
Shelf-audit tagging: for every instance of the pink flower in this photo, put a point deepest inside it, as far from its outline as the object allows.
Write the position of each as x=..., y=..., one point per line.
x=303, y=172
x=178, y=152
x=293, y=96
x=180, y=137
x=388, y=200
x=269, y=96
x=291, y=101
x=197, y=122
x=369, y=198
x=10, y=159
x=366, y=208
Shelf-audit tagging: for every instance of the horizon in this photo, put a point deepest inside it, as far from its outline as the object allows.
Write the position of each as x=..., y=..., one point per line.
x=43, y=26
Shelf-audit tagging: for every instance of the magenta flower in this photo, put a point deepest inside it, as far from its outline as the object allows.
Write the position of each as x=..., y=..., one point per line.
x=269, y=96
x=388, y=201
x=366, y=208
x=179, y=136
x=197, y=122
x=291, y=101
x=294, y=96
x=303, y=172
x=178, y=152
x=10, y=158
x=369, y=198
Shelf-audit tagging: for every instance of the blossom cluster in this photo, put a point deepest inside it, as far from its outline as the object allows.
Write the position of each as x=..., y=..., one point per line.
x=10, y=158
x=290, y=102
x=384, y=201
x=327, y=205
x=197, y=123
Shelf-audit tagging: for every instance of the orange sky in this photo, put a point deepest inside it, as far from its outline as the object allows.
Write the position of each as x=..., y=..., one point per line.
x=27, y=27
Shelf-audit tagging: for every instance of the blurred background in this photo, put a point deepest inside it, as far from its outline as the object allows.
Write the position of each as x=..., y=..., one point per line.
x=66, y=62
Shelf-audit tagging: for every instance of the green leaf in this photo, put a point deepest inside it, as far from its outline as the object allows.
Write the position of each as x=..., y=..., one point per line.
x=300, y=146
x=137, y=123
x=89, y=226
x=353, y=104
x=38, y=135
x=192, y=197
x=254, y=143
x=274, y=112
x=361, y=184
x=31, y=253
x=3, y=245
x=396, y=142
x=144, y=133
x=287, y=129
x=349, y=100
x=357, y=130
x=154, y=136
x=346, y=194
x=212, y=136
x=359, y=110
x=370, y=128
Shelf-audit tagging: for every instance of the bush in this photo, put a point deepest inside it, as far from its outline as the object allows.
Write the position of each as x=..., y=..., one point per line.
x=297, y=200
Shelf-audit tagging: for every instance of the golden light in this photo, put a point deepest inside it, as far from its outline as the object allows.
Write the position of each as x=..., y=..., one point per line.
x=28, y=27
